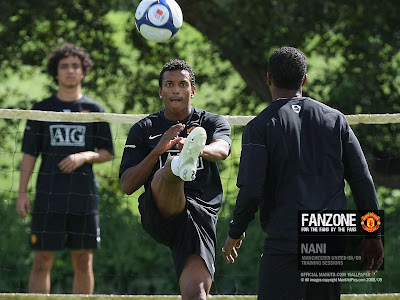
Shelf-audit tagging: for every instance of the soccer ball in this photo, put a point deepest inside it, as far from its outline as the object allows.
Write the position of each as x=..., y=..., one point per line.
x=158, y=20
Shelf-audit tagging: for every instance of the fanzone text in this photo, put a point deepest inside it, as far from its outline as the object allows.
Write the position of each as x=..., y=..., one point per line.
x=328, y=219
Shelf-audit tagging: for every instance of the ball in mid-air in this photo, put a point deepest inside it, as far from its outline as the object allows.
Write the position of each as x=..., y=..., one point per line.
x=158, y=20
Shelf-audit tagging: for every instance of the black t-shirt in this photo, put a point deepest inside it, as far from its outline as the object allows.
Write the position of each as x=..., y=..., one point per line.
x=296, y=155
x=54, y=141
x=145, y=134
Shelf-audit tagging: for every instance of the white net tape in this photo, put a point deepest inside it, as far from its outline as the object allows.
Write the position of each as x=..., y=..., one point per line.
x=133, y=118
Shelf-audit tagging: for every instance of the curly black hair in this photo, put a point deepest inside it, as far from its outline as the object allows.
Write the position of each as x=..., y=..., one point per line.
x=287, y=66
x=64, y=51
x=177, y=64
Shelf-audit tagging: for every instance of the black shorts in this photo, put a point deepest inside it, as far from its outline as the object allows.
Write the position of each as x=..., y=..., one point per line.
x=52, y=231
x=191, y=232
x=280, y=279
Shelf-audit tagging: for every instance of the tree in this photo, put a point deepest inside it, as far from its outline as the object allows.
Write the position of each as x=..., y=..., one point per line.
x=358, y=40
x=365, y=34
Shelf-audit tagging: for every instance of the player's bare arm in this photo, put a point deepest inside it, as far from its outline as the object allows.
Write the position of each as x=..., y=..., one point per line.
x=134, y=177
x=76, y=160
x=23, y=202
x=215, y=151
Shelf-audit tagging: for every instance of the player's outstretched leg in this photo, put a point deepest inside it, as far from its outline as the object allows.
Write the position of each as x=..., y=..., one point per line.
x=185, y=165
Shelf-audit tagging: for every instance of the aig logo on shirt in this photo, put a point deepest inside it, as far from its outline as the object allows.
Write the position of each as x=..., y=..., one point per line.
x=67, y=135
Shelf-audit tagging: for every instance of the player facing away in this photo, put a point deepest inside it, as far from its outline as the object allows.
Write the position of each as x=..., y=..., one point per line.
x=182, y=193
x=65, y=213
x=295, y=156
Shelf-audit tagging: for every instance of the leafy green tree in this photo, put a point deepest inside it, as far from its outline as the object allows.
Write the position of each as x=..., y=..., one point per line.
x=353, y=50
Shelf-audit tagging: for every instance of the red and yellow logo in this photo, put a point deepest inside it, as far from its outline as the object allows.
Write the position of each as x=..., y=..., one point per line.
x=370, y=222
x=33, y=239
x=190, y=129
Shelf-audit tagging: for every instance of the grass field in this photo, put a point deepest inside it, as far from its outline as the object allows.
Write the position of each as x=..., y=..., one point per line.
x=395, y=296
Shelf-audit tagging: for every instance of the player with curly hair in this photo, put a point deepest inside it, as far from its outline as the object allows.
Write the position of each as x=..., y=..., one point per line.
x=65, y=213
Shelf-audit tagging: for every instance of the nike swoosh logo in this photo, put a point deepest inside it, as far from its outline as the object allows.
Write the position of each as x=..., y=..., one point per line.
x=152, y=137
x=130, y=146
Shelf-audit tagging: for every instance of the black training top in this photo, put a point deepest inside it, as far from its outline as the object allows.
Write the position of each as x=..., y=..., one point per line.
x=145, y=134
x=55, y=190
x=296, y=155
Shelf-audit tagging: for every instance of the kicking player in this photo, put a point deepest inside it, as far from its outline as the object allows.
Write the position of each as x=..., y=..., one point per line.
x=296, y=155
x=182, y=193
x=65, y=213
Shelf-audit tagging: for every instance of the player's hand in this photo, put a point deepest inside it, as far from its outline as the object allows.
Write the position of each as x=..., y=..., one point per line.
x=72, y=162
x=373, y=249
x=180, y=144
x=229, y=252
x=169, y=138
x=23, y=205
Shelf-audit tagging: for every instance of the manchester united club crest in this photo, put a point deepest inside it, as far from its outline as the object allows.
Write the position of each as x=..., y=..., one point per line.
x=370, y=222
x=34, y=239
x=190, y=129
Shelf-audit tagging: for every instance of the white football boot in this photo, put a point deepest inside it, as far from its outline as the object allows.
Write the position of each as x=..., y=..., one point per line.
x=185, y=165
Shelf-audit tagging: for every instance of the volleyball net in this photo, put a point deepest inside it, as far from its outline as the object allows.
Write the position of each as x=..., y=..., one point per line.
x=129, y=262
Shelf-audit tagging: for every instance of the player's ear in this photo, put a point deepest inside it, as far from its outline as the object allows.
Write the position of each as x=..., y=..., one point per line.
x=159, y=92
x=193, y=92
x=304, y=80
x=269, y=79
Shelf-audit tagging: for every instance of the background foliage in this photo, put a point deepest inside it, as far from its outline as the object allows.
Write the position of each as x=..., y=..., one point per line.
x=354, y=59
